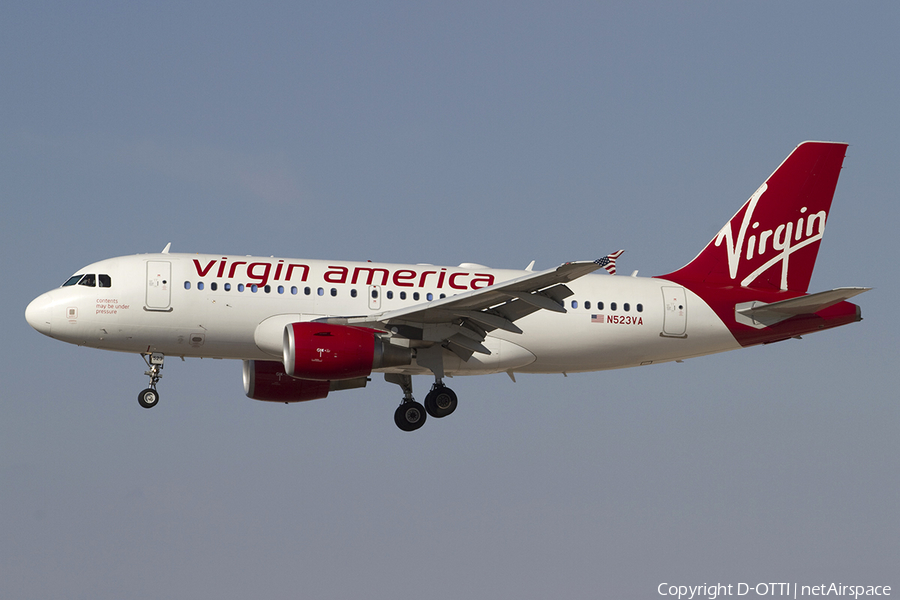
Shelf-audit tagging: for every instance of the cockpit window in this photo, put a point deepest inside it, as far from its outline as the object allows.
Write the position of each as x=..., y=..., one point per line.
x=105, y=280
x=88, y=280
x=73, y=280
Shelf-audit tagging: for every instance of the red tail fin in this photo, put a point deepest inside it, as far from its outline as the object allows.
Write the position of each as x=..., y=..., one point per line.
x=772, y=241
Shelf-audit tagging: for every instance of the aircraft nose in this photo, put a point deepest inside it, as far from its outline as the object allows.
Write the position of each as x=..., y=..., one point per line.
x=38, y=314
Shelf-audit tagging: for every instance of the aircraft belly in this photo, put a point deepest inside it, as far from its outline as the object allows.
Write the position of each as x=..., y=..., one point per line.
x=505, y=356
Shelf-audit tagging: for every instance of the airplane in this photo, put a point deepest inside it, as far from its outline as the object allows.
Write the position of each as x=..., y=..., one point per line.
x=305, y=328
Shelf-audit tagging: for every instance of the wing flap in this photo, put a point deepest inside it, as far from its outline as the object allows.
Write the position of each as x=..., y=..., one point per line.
x=462, y=321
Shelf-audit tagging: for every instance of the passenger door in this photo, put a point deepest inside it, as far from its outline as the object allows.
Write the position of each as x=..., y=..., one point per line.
x=159, y=285
x=675, y=316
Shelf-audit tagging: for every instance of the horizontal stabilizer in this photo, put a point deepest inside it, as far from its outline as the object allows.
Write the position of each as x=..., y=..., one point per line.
x=760, y=314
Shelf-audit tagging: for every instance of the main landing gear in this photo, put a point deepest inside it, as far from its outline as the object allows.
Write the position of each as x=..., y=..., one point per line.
x=410, y=415
x=440, y=401
x=149, y=397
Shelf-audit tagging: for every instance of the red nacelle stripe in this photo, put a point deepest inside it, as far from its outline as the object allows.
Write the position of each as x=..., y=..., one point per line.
x=267, y=380
x=322, y=351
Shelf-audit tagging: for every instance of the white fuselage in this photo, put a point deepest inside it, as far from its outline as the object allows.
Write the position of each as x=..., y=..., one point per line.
x=237, y=307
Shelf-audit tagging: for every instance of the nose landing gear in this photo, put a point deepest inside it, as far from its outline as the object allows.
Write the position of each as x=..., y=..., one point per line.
x=149, y=397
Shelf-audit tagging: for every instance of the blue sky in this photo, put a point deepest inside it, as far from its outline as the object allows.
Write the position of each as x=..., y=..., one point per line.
x=497, y=133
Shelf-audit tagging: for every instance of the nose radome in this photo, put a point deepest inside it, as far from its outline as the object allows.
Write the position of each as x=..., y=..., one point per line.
x=37, y=313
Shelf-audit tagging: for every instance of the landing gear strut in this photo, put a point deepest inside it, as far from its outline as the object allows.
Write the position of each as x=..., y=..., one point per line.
x=149, y=397
x=410, y=415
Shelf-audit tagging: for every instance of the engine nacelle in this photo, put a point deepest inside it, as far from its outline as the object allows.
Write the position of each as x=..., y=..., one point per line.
x=321, y=351
x=267, y=380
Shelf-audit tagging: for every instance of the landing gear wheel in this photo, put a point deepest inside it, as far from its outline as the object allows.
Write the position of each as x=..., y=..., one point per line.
x=440, y=402
x=148, y=398
x=409, y=416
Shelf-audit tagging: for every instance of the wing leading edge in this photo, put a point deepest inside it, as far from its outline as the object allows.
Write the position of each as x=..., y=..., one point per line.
x=461, y=322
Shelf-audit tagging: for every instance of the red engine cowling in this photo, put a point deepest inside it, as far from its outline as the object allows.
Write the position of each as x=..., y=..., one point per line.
x=267, y=380
x=321, y=351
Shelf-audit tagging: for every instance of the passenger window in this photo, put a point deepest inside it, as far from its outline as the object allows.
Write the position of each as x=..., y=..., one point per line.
x=281, y=289
x=306, y=291
x=320, y=291
x=626, y=306
x=187, y=285
x=294, y=290
x=213, y=286
x=403, y=295
x=599, y=306
x=574, y=303
x=253, y=287
x=72, y=280
x=240, y=287
x=415, y=295
x=640, y=308
x=353, y=293
x=334, y=291
x=88, y=280
x=227, y=287
x=443, y=296
x=612, y=306
x=390, y=295
x=267, y=289
x=105, y=281
x=587, y=305
x=429, y=296
x=199, y=285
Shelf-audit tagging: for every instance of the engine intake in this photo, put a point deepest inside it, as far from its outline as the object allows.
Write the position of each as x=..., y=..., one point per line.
x=321, y=351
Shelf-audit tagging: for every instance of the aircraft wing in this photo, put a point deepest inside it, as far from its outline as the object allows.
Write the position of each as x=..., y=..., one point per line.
x=463, y=320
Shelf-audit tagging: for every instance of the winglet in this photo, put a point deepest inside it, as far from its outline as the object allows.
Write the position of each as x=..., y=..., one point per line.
x=608, y=262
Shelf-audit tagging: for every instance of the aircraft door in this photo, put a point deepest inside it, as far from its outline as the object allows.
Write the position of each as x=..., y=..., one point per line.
x=675, y=316
x=159, y=285
x=375, y=297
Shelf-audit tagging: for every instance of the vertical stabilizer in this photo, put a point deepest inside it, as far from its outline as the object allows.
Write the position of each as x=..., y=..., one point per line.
x=772, y=241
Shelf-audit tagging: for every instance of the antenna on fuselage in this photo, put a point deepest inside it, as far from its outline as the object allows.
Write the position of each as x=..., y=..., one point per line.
x=166, y=249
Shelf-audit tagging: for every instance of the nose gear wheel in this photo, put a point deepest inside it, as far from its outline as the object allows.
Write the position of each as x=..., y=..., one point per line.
x=149, y=397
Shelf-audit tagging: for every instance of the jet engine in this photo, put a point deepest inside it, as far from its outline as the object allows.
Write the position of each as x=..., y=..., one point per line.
x=266, y=380
x=325, y=352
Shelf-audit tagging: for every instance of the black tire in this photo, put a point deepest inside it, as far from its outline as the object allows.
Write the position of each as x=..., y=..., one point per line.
x=409, y=416
x=440, y=402
x=148, y=398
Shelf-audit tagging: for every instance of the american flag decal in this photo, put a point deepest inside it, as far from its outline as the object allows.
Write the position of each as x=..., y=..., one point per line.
x=608, y=262
x=597, y=319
